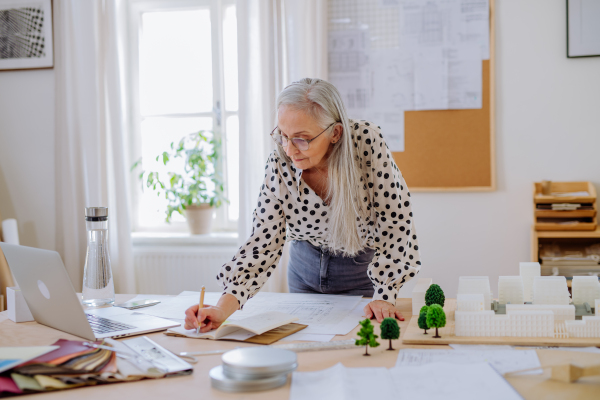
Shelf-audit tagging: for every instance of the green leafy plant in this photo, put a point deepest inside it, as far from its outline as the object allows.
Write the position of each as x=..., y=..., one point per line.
x=390, y=330
x=436, y=318
x=200, y=183
x=435, y=295
x=422, y=321
x=367, y=337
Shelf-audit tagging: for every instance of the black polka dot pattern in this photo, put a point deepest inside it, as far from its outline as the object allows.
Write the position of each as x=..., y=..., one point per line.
x=288, y=209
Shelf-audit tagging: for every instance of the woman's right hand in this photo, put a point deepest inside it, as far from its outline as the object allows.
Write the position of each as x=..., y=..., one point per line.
x=211, y=317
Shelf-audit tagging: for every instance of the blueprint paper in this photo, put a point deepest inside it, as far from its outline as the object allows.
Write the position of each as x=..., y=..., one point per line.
x=323, y=313
x=464, y=77
x=431, y=79
x=432, y=382
x=503, y=361
x=341, y=383
x=174, y=307
x=308, y=337
x=450, y=381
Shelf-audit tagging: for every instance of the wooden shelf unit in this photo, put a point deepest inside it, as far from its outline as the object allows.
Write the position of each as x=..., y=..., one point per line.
x=581, y=238
x=555, y=216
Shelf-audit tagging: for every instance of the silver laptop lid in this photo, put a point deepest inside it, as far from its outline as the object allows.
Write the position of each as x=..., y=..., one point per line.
x=47, y=289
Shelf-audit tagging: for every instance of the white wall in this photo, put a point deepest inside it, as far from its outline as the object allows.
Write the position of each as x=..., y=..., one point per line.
x=27, y=154
x=548, y=127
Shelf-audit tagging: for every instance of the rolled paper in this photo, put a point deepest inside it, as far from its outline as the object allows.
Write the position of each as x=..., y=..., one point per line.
x=10, y=231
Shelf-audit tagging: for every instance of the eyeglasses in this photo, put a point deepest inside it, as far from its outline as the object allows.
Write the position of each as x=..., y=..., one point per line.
x=299, y=143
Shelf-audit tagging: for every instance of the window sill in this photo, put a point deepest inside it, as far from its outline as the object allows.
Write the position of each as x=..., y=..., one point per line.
x=142, y=239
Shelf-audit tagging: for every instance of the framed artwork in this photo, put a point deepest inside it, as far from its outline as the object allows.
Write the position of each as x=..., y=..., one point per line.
x=583, y=28
x=26, y=34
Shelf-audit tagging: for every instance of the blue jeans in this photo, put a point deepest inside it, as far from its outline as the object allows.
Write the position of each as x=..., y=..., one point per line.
x=314, y=270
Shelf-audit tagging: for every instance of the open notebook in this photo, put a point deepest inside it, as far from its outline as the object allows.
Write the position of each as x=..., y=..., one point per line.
x=242, y=329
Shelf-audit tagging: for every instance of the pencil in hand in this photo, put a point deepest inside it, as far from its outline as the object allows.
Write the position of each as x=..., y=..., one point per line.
x=200, y=306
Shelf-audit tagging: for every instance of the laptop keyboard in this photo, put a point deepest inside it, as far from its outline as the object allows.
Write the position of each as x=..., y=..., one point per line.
x=103, y=325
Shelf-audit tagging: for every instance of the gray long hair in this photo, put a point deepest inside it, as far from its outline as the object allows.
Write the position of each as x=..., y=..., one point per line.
x=321, y=100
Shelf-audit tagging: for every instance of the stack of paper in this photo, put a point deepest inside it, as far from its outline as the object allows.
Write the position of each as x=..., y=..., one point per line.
x=429, y=381
x=325, y=315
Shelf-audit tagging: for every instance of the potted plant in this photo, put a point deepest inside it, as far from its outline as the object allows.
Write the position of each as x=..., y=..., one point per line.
x=197, y=191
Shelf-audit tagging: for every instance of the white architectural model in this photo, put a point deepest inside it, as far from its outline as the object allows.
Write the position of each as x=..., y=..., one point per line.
x=528, y=271
x=561, y=313
x=510, y=290
x=587, y=327
x=586, y=289
x=476, y=285
x=418, y=294
x=550, y=315
x=550, y=290
x=538, y=323
x=470, y=302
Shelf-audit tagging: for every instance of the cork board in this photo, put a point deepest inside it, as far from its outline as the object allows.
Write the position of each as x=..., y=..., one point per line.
x=452, y=150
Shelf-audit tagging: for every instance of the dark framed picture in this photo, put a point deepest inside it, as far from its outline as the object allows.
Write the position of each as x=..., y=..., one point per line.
x=26, y=34
x=583, y=28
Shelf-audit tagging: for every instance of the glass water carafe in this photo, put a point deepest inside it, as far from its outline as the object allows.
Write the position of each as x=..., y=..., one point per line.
x=98, y=287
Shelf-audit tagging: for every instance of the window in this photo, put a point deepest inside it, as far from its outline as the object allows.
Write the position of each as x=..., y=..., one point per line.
x=183, y=78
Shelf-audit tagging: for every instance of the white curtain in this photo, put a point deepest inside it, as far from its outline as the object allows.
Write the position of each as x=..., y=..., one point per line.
x=279, y=41
x=91, y=140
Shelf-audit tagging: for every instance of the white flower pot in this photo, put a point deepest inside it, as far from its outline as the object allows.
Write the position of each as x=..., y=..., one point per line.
x=199, y=218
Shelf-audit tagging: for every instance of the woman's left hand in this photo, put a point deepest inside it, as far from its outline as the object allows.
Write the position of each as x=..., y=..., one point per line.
x=382, y=309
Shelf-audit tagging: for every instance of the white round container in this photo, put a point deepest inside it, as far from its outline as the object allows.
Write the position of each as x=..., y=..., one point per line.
x=258, y=363
x=219, y=381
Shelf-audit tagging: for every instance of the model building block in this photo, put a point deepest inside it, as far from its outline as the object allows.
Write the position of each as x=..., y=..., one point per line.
x=476, y=285
x=586, y=289
x=534, y=323
x=561, y=313
x=587, y=327
x=470, y=302
x=510, y=290
x=528, y=271
x=550, y=290
x=418, y=294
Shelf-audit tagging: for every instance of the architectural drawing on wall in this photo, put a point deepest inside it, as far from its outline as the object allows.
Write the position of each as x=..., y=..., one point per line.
x=510, y=290
x=26, y=35
x=528, y=271
x=409, y=55
x=551, y=314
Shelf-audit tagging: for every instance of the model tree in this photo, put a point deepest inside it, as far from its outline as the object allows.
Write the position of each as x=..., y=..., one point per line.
x=436, y=318
x=435, y=295
x=367, y=337
x=390, y=330
x=422, y=321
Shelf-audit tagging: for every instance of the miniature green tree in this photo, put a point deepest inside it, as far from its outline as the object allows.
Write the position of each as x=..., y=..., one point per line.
x=435, y=295
x=422, y=321
x=367, y=336
x=390, y=330
x=436, y=318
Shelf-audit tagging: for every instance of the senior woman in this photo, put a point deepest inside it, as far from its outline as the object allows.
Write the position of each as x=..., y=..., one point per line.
x=333, y=189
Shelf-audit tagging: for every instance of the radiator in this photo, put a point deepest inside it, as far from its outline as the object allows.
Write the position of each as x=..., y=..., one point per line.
x=173, y=269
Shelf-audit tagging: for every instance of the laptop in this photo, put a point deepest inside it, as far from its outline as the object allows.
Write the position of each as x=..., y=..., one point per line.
x=48, y=291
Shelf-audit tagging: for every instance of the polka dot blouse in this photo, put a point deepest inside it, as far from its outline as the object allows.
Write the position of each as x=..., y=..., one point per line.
x=288, y=209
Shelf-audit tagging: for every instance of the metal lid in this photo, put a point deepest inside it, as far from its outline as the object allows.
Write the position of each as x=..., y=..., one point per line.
x=258, y=362
x=218, y=380
x=96, y=213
